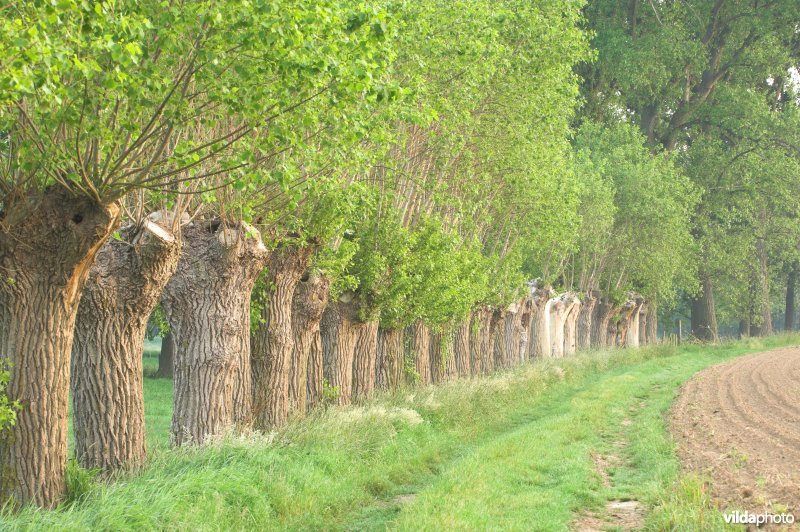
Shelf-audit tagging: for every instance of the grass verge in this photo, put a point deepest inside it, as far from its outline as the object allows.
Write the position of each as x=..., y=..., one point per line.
x=514, y=450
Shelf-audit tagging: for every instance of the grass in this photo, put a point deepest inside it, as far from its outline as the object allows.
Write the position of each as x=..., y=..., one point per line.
x=511, y=451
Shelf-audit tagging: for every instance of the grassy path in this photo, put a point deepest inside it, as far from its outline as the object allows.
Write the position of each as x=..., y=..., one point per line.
x=533, y=448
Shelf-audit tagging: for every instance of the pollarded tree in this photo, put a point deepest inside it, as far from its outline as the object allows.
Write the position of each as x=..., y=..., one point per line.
x=97, y=100
x=635, y=232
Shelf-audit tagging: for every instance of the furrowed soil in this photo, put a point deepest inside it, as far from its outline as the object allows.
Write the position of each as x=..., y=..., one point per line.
x=738, y=424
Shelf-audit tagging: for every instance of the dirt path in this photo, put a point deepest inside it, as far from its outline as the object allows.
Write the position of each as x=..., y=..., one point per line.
x=739, y=424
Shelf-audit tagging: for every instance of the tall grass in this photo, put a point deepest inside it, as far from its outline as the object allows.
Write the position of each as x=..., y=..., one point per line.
x=354, y=467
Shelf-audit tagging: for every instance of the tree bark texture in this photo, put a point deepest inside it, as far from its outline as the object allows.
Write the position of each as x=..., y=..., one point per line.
x=571, y=325
x=539, y=329
x=651, y=333
x=391, y=358
x=603, y=312
x=48, y=243
x=584, y=324
x=791, y=298
x=305, y=373
x=122, y=290
x=622, y=322
x=461, y=348
x=421, y=351
x=365, y=357
x=703, y=313
x=499, y=346
x=273, y=341
x=644, y=311
x=339, y=332
x=207, y=303
x=166, y=357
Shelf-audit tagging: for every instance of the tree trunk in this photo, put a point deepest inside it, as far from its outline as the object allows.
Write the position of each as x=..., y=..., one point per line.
x=704, y=318
x=461, y=354
x=166, y=357
x=339, y=333
x=305, y=378
x=623, y=322
x=583, y=326
x=571, y=324
x=478, y=339
x=499, y=356
x=316, y=372
x=791, y=282
x=652, y=323
x=558, y=308
x=273, y=341
x=421, y=351
x=207, y=303
x=439, y=355
x=48, y=243
x=539, y=328
x=762, y=300
x=365, y=357
x=526, y=309
x=391, y=359
x=121, y=292
x=643, y=313
x=632, y=336
x=603, y=311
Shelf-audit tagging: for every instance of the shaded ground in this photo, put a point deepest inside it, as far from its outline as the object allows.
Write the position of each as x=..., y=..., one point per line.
x=738, y=423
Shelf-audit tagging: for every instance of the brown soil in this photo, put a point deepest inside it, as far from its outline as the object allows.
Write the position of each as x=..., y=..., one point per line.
x=738, y=423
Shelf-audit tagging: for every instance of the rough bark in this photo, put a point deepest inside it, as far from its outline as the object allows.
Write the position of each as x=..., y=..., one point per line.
x=122, y=290
x=390, y=365
x=512, y=333
x=652, y=323
x=571, y=324
x=584, y=323
x=791, y=298
x=558, y=308
x=339, y=332
x=273, y=341
x=632, y=335
x=305, y=371
x=703, y=314
x=603, y=312
x=316, y=372
x=440, y=354
x=365, y=355
x=499, y=357
x=207, y=303
x=644, y=312
x=539, y=329
x=166, y=362
x=461, y=348
x=478, y=331
x=421, y=351
x=764, y=312
x=621, y=323
x=48, y=242
x=525, y=312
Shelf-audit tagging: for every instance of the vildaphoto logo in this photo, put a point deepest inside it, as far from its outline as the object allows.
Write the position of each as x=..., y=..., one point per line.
x=746, y=518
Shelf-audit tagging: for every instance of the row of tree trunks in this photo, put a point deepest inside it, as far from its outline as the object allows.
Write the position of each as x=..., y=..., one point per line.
x=47, y=246
x=122, y=290
x=305, y=366
x=207, y=303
